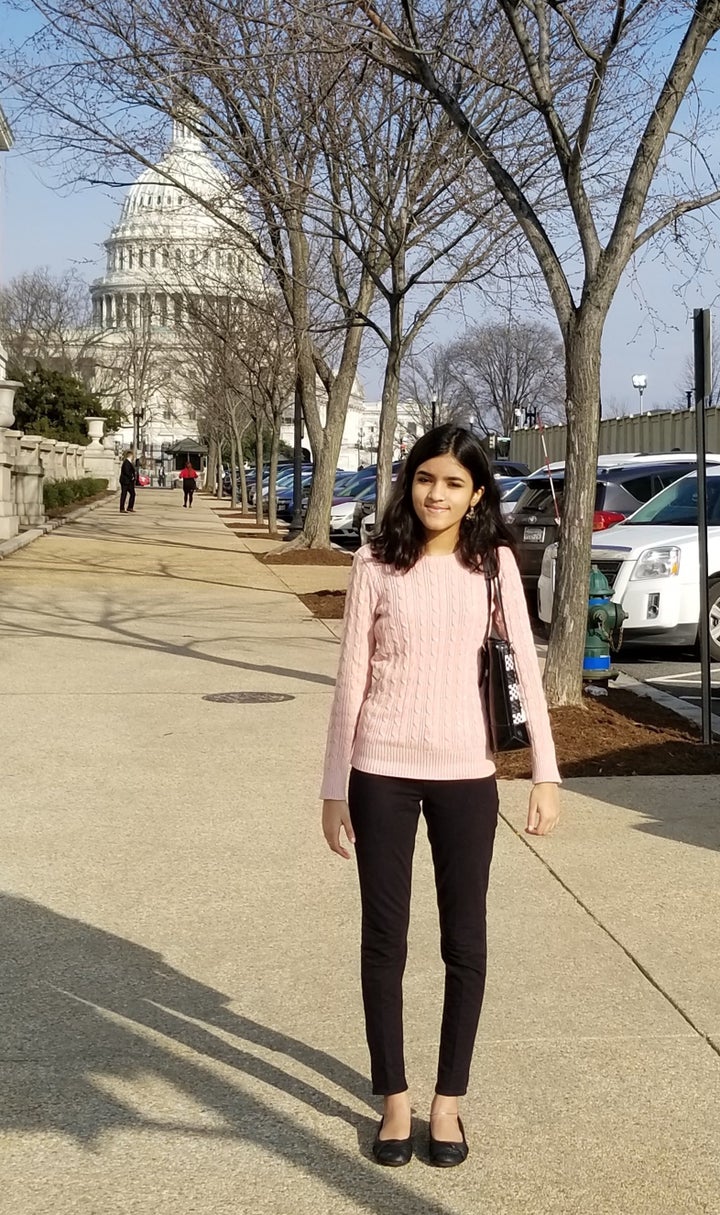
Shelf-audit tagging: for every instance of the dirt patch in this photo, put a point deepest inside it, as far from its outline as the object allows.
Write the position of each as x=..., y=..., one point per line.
x=306, y=556
x=621, y=735
x=256, y=535
x=326, y=605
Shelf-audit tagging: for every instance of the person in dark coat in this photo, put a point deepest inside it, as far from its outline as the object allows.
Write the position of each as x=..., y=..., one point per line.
x=127, y=483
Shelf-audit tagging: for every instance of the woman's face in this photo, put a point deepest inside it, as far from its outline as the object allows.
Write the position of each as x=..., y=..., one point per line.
x=442, y=494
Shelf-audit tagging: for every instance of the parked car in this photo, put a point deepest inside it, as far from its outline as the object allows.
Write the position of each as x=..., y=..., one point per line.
x=651, y=562
x=509, y=468
x=511, y=490
x=347, y=514
x=623, y=484
x=285, y=500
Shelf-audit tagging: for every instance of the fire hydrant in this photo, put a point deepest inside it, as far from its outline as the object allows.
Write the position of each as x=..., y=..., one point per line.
x=604, y=628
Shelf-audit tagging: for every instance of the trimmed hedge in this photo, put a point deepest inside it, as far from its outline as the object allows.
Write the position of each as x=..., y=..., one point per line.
x=58, y=494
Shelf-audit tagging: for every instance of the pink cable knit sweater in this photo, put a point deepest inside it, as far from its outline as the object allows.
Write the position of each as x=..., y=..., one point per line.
x=407, y=701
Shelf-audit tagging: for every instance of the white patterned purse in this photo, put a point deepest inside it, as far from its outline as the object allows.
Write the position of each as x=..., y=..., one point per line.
x=499, y=685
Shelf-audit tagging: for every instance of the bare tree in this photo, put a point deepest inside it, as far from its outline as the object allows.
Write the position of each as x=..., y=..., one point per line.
x=212, y=324
x=409, y=212
x=510, y=374
x=432, y=389
x=623, y=164
x=266, y=354
x=137, y=370
x=249, y=81
x=45, y=321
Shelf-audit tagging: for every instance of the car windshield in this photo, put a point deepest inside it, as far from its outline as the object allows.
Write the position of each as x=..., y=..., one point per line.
x=677, y=506
x=514, y=493
x=537, y=496
x=358, y=481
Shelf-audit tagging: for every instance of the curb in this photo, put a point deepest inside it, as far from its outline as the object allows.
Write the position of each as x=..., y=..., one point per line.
x=8, y=547
x=673, y=703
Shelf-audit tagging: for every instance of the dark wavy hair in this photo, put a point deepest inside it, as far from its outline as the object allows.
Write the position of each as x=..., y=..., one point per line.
x=400, y=539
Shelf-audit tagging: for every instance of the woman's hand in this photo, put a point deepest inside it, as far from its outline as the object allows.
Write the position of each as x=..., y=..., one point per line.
x=336, y=816
x=544, y=809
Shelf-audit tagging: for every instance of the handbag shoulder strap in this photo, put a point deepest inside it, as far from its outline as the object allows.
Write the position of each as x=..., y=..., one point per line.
x=488, y=626
x=494, y=595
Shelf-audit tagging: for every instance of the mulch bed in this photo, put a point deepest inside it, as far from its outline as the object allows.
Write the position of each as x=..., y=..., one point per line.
x=622, y=734
x=307, y=556
x=326, y=605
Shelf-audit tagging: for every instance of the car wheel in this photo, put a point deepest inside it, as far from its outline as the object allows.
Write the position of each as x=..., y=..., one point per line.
x=714, y=596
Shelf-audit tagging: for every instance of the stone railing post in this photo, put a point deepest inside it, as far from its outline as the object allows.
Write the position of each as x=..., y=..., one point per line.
x=29, y=482
x=61, y=461
x=9, y=447
x=47, y=458
x=75, y=454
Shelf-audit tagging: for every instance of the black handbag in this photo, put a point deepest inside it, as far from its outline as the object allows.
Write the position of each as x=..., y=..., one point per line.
x=499, y=684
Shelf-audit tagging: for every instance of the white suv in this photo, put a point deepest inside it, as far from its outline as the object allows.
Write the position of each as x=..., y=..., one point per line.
x=651, y=562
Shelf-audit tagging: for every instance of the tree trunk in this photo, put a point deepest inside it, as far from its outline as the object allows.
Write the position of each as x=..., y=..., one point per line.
x=563, y=669
x=219, y=473
x=233, y=473
x=259, y=472
x=389, y=407
x=210, y=466
x=326, y=441
x=238, y=433
x=316, y=528
x=272, y=478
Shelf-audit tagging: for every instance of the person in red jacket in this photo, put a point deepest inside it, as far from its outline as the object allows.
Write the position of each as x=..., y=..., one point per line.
x=188, y=477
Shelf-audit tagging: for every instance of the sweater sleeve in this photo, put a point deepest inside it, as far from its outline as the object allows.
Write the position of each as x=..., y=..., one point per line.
x=519, y=634
x=354, y=675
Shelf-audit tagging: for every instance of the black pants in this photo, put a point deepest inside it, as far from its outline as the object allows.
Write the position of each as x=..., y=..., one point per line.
x=461, y=819
x=126, y=490
x=188, y=491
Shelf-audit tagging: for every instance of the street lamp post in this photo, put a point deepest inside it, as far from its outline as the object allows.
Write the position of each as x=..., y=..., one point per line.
x=640, y=382
x=433, y=410
x=137, y=416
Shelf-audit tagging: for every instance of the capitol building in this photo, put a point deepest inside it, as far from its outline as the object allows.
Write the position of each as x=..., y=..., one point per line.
x=173, y=254
x=176, y=251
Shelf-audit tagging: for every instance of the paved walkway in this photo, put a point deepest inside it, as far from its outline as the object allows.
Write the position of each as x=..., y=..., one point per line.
x=181, y=1027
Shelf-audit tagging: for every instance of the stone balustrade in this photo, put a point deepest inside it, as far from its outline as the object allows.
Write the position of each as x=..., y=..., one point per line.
x=27, y=461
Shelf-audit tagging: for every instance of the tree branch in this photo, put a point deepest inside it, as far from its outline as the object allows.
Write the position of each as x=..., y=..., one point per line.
x=683, y=208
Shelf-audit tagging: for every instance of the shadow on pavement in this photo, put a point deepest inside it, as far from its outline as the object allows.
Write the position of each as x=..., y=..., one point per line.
x=115, y=628
x=677, y=811
x=85, y=1012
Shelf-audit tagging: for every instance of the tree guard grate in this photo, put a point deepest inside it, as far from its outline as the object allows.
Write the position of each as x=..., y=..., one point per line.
x=247, y=698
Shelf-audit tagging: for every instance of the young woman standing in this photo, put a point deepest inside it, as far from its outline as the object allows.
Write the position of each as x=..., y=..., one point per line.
x=408, y=727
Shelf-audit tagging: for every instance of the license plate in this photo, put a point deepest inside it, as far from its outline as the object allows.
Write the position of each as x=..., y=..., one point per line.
x=534, y=535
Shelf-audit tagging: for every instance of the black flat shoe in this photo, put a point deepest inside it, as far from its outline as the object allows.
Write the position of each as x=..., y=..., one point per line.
x=445, y=1155
x=392, y=1152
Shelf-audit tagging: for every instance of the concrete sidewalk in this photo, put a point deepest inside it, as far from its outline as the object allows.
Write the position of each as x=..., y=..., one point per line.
x=180, y=1010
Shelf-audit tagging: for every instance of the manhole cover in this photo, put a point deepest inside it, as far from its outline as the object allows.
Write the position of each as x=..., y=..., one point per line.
x=247, y=698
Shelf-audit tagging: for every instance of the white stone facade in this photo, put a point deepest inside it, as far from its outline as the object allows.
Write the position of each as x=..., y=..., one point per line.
x=362, y=428
x=175, y=244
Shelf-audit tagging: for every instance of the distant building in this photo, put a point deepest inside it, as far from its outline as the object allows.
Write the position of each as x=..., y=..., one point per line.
x=168, y=253
x=362, y=428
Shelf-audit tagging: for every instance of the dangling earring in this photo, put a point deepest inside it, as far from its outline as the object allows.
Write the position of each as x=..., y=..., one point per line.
x=471, y=513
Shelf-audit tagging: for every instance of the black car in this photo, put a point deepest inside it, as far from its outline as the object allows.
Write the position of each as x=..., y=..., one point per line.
x=509, y=468
x=622, y=487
